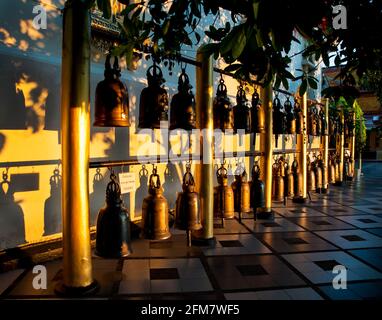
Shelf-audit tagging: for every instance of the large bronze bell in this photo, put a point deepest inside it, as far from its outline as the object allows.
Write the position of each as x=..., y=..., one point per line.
x=222, y=109
x=224, y=201
x=258, y=114
x=113, y=224
x=242, y=112
x=188, y=206
x=257, y=189
x=155, y=211
x=299, y=115
x=278, y=182
x=311, y=177
x=290, y=117
x=182, y=108
x=112, y=100
x=153, y=104
x=298, y=179
x=241, y=191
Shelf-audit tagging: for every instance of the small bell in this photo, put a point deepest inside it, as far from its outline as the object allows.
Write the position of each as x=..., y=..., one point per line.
x=258, y=115
x=318, y=172
x=257, y=189
x=153, y=104
x=222, y=108
x=290, y=117
x=224, y=204
x=318, y=122
x=112, y=100
x=241, y=191
x=332, y=171
x=155, y=211
x=278, y=183
x=113, y=224
x=298, y=179
x=311, y=177
x=182, y=109
x=242, y=112
x=312, y=123
x=288, y=181
x=188, y=206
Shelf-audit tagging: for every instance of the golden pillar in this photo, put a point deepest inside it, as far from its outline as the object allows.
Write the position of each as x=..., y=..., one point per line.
x=302, y=144
x=340, y=150
x=266, y=148
x=75, y=126
x=204, y=170
x=352, y=149
x=325, y=152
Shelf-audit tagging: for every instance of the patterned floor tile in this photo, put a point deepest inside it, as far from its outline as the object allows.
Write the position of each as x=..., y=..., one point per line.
x=363, y=221
x=371, y=209
x=245, y=272
x=371, y=256
x=355, y=291
x=351, y=239
x=315, y=266
x=230, y=226
x=295, y=242
x=299, y=212
x=275, y=225
x=236, y=245
x=340, y=211
x=321, y=223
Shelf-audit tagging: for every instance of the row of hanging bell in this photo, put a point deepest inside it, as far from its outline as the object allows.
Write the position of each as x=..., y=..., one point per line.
x=111, y=98
x=153, y=103
x=223, y=196
x=182, y=108
x=257, y=189
x=155, y=220
x=113, y=238
x=241, y=191
x=317, y=124
x=187, y=212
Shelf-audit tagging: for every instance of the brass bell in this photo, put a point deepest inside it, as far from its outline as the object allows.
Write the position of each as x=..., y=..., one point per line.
x=112, y=100
x=155, y=211
x=242, y=112
x=241, y=190
x=288, y=181
x=188, y=205
x=279, y=121
x=298, y=179
x=278, y=183
x=224, y=199
x=113, y=224
x=290, y=118
x=258, y=115
x=257, y=189
x=222, y=108
x=182, y=108
x=311, y=177
x=153, y=104
x=299, y=118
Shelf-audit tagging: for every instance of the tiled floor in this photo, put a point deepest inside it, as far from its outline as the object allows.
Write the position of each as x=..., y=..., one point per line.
x=290, y=257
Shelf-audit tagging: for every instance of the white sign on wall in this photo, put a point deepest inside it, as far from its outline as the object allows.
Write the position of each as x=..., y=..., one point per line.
x=127, y=182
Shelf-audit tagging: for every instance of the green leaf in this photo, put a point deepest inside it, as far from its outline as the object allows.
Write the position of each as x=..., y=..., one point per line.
x=303, y=87
x=239, y=45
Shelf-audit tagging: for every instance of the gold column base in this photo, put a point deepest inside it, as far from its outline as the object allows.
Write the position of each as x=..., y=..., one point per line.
x=64, y=291
x=264, y=214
